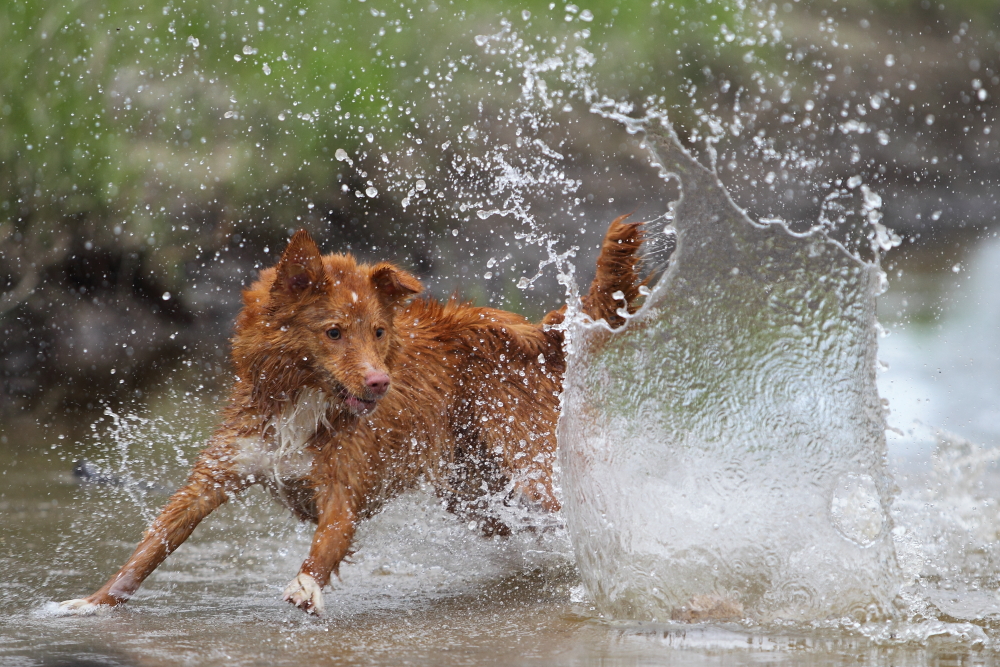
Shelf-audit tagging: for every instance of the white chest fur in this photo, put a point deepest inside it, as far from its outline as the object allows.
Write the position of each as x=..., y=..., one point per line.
x=281, y=452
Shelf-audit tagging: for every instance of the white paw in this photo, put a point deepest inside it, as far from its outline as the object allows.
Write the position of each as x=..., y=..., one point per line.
x=78, y=608
x=305, y=594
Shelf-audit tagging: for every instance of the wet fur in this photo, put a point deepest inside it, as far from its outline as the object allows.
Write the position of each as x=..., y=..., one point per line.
x=472, y=405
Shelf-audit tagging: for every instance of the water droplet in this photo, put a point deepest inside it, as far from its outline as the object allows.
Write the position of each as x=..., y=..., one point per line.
x=267, y=69
x=871, y=199
x=371, y=191
x=890, y=60
x=166, y=296
x=342, y=156
x=420, y=185
x=856, y=509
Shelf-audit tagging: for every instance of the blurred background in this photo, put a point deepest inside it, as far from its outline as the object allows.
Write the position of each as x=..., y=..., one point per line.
x=154, y=156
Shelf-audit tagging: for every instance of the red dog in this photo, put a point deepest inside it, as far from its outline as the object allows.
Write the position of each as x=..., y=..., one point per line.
x=347, y=395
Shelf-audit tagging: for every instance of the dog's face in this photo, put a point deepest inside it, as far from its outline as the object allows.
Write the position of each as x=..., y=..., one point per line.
x=332, y=319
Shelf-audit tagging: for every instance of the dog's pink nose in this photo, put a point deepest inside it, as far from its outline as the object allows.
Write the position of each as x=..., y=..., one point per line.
x=377, y=383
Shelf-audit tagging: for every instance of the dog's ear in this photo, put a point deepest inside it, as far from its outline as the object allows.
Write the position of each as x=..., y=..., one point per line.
x=300, y=268
x=392, y=284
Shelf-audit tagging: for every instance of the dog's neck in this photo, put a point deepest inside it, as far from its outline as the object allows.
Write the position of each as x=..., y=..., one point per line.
x=296, y=421
x=279, y=449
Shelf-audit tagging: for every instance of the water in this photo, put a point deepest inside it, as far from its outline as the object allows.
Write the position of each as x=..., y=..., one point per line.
x=728, y=442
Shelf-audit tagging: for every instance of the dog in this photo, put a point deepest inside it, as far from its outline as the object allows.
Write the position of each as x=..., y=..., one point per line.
x=348, y=391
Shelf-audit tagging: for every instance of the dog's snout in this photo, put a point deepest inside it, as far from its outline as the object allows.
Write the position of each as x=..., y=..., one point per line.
x=377, y=383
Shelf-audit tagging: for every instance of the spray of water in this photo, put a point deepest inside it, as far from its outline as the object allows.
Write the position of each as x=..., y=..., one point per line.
x=728, y=442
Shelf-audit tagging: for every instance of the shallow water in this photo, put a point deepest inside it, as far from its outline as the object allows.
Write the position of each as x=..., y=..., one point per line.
x=422, y=589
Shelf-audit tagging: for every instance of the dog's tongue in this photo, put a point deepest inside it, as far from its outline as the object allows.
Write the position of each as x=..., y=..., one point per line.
x=359, y=406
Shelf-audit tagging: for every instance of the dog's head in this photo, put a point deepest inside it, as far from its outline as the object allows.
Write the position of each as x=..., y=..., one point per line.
x=325, y=322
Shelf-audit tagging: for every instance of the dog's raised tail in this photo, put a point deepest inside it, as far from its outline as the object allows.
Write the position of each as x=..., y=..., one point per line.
x=617, y=281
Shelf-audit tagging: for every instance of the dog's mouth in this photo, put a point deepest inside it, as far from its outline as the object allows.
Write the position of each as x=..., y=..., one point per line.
x=356, y=404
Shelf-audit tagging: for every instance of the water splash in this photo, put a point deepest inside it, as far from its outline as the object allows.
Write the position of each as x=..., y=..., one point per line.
x=729, y=441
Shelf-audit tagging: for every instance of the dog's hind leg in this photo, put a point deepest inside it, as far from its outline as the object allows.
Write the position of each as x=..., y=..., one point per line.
x=210, y=484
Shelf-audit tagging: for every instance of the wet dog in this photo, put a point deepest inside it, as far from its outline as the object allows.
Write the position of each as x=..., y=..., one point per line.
x=349, y=392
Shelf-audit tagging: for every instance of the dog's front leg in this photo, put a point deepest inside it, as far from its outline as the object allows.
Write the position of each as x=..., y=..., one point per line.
x=209, y=485
x=331, y=543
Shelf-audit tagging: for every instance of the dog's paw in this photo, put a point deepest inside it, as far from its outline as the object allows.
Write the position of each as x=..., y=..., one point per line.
x=708, y=608
x=305, y=594
x=79, y=607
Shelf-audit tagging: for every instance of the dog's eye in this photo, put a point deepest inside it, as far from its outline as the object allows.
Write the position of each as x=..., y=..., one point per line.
x=379, y=332
x=333, y=334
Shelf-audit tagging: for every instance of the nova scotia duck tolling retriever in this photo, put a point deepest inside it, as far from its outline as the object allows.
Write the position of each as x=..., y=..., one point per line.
x=349, y=391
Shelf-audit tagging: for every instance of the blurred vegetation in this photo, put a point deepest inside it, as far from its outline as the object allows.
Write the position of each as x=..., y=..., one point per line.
x=142, y=146
x=228, y=114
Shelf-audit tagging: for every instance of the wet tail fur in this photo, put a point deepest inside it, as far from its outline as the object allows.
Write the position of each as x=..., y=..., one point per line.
x=618, y=270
